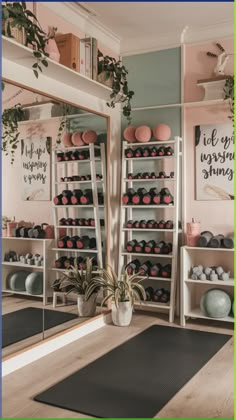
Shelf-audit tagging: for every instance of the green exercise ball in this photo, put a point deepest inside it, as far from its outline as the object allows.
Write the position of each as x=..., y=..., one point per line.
x=233, y=307
x=216, y=303
x=16, y=281
x=34, y=283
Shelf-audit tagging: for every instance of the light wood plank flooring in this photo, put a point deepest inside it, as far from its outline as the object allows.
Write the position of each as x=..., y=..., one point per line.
x=209, y=394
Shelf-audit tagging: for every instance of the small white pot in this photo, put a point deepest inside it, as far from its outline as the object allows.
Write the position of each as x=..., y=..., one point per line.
x=122, y=315
x=86, y=307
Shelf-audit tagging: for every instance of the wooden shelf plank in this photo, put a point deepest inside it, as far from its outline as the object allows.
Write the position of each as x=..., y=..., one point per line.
x=229, y=282
x=18, y=264
x=197, y=313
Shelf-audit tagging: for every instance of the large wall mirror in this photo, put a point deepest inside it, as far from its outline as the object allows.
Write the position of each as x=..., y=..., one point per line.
x=55, y=211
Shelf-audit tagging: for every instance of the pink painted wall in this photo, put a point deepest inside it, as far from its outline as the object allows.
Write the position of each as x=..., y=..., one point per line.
x=199, y=66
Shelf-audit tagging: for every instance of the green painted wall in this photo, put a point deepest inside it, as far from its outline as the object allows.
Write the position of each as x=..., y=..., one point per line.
x=155, y=77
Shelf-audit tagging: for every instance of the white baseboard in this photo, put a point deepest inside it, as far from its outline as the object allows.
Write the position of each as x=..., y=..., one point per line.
x=43, y=349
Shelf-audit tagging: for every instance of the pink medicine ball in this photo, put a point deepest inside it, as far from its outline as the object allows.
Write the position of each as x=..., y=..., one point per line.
x=66, y=140
x=143, y=133
x=129, y=134
x=76, y=139
x=162, y=132
x=89, y=136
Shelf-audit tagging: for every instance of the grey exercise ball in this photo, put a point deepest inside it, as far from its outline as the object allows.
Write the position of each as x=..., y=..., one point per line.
x=216, y=303
x=233, y=307
x=34, y=283
x=16, y=281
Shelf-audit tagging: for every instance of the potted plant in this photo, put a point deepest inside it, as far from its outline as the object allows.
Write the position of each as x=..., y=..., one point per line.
x=114, y=74
x=76, y=280
x=10, y=133
x=229, y=95
x=122, y=291
x=17, y=18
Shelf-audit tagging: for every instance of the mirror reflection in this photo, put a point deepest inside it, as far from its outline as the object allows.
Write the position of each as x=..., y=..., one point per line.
x=54, y=214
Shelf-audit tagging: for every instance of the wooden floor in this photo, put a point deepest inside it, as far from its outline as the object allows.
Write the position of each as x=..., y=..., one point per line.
x=14, y=303
x=209, y=394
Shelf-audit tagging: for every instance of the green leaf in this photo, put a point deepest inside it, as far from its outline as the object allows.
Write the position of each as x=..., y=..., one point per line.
x=36, y=74
x=37, y=54
x=45, y=63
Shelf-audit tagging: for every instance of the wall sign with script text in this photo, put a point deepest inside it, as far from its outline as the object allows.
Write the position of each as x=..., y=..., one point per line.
x=214, y=152
x=36, y=168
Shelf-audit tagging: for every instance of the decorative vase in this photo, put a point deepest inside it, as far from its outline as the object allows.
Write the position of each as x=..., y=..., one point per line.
x=11, y=229
x=122, y=315
x=86, y=307
x=51, y=45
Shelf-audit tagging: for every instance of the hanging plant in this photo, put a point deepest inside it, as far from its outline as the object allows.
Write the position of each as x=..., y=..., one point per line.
x=15, y=15
x=229, y=95
x=10, y=134
x=64, y=121
x=114, y=74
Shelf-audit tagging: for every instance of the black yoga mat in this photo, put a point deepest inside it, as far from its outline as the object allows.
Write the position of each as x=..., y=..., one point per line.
x=18, y=325
x=137, y=378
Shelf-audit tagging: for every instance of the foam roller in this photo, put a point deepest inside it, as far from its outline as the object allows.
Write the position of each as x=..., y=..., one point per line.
x=228, y=242
x=215, y=241
x=205, y=238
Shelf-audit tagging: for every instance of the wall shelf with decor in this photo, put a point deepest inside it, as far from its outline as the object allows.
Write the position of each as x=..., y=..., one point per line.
x=23, y=246
x=134, y=210
x=19, y=54
x=193, y=290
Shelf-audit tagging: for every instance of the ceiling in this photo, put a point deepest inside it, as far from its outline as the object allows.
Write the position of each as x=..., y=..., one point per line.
x=146, y=25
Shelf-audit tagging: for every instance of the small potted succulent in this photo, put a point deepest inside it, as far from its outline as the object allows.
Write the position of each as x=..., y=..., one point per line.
x=123, y=291
x=77, y=280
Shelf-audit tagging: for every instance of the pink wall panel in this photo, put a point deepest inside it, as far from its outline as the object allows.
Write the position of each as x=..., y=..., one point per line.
x=199, y=66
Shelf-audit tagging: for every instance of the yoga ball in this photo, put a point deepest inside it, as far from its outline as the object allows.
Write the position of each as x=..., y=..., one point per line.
x=16, y=281
x=34, y=283
x=77, y=139
x=233, y=307
x=66, y=140
x=162, y=132
x=143, y=133
x=89, y=136
x=129, y=134
x=216, y=303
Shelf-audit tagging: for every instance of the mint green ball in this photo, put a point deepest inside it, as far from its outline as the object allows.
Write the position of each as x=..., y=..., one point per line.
x=216, y=303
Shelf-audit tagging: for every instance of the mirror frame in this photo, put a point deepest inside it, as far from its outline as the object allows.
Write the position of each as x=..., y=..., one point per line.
x=108, y=208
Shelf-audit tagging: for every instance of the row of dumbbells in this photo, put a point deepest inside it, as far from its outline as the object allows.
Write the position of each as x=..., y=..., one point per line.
x=78, y=178
x=76, y=155
x=209, y=273
x=149, y=152
x=142, y=196
x=76, y=197
x=149, y=224
x=66, y=262
x=147, y=268
x=150, y=175
x=150, y=247
x=159, y=295
x=76, y=242
x=36, y=232
x=79, y=222
x=28, y=258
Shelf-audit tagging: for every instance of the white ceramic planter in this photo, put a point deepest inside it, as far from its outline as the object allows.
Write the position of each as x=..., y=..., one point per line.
x=122, y=315
x=86, y=308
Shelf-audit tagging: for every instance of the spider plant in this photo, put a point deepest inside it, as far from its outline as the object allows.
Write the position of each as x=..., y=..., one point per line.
x=77, y=279
x=124, y=289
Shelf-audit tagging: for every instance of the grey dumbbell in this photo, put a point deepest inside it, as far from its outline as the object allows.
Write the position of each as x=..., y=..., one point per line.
x=207, y=271
x=202, y=277
x=225, y=276
x=194, y=276
x=219, y=271
x=213, y=276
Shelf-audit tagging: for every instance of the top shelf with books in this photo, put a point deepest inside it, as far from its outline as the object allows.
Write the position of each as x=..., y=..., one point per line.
x=19, y=54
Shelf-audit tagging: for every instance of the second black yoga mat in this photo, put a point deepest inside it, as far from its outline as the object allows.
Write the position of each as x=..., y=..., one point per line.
x=22, y=324
x=137, y=378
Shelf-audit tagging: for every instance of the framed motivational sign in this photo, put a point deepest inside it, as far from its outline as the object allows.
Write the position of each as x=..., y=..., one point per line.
x=36, y=169
x=214, y=162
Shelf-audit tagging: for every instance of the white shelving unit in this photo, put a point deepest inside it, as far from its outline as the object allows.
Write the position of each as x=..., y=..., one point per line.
x=23, y=246
x=192, y=290
x=64, y=169
x=127, y=211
